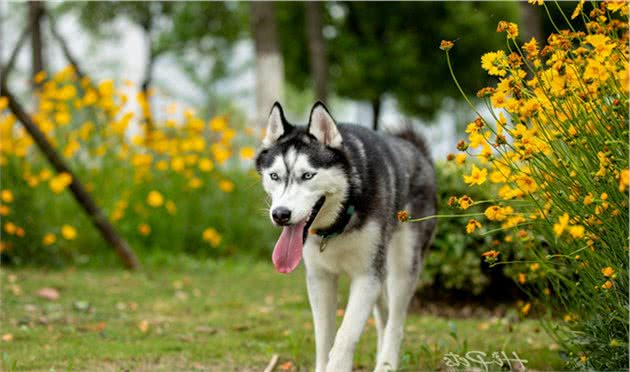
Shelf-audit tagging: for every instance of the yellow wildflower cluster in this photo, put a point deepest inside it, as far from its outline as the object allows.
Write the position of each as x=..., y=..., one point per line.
x=559, y=130
x=95, y=127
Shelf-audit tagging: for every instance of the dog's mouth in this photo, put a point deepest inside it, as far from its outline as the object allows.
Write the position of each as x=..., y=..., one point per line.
x=287, y=253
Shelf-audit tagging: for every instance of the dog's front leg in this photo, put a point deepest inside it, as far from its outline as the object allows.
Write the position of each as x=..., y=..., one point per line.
x=363, y=293
x=322, y=294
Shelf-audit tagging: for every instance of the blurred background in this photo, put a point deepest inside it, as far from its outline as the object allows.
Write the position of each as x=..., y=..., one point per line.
x=157, y=107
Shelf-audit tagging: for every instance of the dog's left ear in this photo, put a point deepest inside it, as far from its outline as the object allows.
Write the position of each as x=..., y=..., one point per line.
x=323, y=127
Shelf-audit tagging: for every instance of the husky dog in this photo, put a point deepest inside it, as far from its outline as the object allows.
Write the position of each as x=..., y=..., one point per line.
x=335, y=191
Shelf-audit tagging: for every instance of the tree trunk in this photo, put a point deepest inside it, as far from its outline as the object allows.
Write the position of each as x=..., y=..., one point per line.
x=76, y=187
x=531, y=23
x=269, y=66
x=376, y=112
x=147, y=111
x=36, y=13
x=317, y=49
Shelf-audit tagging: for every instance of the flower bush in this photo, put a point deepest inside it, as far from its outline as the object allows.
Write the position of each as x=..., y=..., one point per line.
x=556, y=152
x=180, y=184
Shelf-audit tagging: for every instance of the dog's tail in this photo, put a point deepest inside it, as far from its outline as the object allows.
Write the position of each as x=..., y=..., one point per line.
x=418, y=140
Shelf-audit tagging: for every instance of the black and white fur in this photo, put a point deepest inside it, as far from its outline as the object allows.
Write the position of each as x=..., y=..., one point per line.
x=378, y=175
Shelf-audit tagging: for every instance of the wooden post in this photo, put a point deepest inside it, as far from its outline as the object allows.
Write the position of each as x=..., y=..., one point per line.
x=78, y=190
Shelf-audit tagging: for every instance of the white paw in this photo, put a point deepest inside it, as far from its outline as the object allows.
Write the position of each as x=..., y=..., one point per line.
x=385, y=367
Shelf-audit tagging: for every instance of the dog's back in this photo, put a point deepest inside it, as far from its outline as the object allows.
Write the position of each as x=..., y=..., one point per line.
x=393, y=173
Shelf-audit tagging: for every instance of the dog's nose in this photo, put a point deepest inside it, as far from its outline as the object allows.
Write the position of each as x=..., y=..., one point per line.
x=281, y=215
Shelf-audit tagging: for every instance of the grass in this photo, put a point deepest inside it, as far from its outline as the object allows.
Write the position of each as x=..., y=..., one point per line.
x=216, y=315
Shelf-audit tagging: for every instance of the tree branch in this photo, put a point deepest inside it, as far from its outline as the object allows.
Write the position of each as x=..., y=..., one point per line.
x=64, y=47
x=6, y=70
x=79, y=192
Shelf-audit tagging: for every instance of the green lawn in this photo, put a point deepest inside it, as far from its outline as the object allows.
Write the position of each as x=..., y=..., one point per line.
x=225, y=316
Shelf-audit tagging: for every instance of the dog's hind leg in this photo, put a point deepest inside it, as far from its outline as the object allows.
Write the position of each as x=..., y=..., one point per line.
x=322, y=294
x=380, y=316
x=402, y=272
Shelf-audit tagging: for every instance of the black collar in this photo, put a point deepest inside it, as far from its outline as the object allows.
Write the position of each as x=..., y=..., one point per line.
x=339, y=225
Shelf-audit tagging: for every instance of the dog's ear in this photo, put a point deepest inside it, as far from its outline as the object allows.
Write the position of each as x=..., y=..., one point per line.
x=277, y=125
x=323, y=127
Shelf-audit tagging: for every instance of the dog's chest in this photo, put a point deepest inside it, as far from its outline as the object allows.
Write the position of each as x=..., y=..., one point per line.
x=349, y=253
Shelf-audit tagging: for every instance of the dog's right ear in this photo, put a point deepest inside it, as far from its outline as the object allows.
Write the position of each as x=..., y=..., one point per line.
x=277, y=125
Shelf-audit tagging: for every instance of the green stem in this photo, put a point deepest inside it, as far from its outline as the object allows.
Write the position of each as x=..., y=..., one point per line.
x=443, y=216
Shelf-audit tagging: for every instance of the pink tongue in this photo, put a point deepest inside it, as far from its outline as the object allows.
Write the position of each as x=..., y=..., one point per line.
x=288, y=251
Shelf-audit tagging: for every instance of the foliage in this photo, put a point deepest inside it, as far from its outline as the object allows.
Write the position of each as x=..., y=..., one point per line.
x=379, y=48
x=181, y=187
x=190, y=314
x=560, y=166
x=454, y=264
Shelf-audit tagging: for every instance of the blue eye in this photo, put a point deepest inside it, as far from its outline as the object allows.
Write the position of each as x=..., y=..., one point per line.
x=308, y=175
x=274, y=176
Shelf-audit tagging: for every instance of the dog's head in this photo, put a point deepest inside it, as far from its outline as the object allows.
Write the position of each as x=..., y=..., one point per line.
x=304, y=172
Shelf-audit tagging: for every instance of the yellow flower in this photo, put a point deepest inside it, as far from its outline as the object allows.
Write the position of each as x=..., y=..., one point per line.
x=195, y=183
x=220, y=152
x=62, y=118
x=491, y=254
x=576, y=231
x=608, y=271
x=460, y=158
x=602, y=45
x=402, y=216
x=522, y=278
x=170, y=207
x=144, y=229
x=178, y=164
x=495, y=63
x=477, y=177
x=226, y=186
x=71, y=148
x=218, y=124
x=4, y=103
x=206, y=165
x=537, y=2
x=578, y=9
x=615, y=5
x=563, y=222
x=155, y=199
x=10, y=228
x=624, y=180
x=471, y=226
x=465, y=202
x=511, y=28
x=68, y=232
x=526, y=184
x=496, y=213
x=535, y=266
x=211, y=236
x=49, y=239
x=40, y=76
x=446, y=45
x=4, y=210
x=607, y=285
x=525, y=309
x=588, y=199
x=45, y=175
x=6, y=196
x=247, y=153
x=58, y=183
x=531, y=47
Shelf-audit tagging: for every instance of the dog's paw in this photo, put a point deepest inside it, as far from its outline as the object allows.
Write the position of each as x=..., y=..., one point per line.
x=385, y=367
